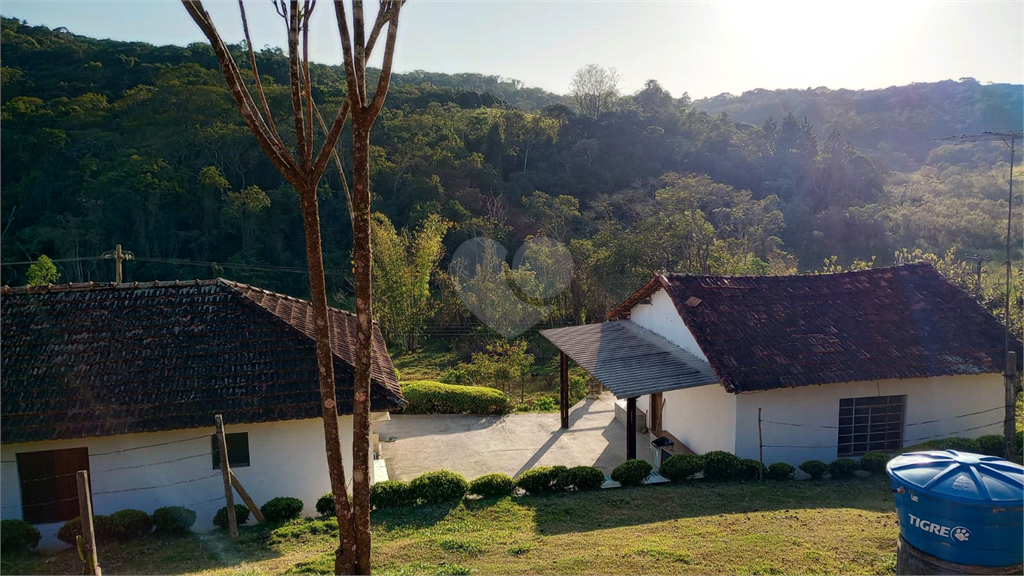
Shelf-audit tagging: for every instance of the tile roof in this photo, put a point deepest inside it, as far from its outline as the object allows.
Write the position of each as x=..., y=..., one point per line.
x=630, y=360
x=83, y=360
x=766, y=332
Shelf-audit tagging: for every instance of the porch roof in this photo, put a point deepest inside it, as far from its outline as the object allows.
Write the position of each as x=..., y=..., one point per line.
x=630, y=360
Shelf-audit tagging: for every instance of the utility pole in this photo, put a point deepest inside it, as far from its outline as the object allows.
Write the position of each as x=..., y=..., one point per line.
x=118, y=256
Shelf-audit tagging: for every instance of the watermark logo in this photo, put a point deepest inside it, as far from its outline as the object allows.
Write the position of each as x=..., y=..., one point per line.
x=510, y=299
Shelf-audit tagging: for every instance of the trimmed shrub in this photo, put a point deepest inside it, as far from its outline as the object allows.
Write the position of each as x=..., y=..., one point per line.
x=720, y=465
x=874, y=462
x=325, y=505
x=429, y=397
x=18, y=536
x=220, y=519
x=631, y=472
x=585, y=478
x=127, y=525
x=492, y=485
x=439, y=486
x=991, y=444
x=681, y=466
x=100, y=523
x=780, y=471
x=391, y=494
x=537, y=480
x=281, y=509
x=173, y=519
x=843, y=468
x=961, y=445
x=816, y=468
x=544, y=404
x=577, y=389
x=750, y=469
x=560, y=479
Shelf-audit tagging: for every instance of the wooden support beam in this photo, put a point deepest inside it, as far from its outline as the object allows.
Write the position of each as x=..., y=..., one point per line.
x=245, y=498
x=88, y=543
x=226, y=473
x=630, y=428
x=564, y=380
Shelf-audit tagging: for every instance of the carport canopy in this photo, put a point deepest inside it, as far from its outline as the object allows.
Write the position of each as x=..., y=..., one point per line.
x=629, y=360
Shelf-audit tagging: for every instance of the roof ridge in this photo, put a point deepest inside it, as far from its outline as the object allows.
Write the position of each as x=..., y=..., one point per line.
x=85, y=286
x=920, y=264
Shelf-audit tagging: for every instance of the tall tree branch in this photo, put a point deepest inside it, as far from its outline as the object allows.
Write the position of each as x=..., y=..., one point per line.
x=359, y=39
x=307, y=12
x=383, y=17
x=337, y=164
x=385, y=71
x=346, y=51
x=256, y=76
x=331, y=139
x=295, y=76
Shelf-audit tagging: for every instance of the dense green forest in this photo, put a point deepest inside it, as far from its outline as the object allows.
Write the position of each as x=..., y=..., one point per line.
x=109, y=142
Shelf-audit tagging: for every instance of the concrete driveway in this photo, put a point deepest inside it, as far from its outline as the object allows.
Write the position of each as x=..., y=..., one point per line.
x=477, y=445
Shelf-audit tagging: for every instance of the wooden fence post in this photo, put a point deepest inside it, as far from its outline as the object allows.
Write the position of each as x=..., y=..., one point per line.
x=248, y=500
x=88, y=550
x=226, y=473
x=760, y=447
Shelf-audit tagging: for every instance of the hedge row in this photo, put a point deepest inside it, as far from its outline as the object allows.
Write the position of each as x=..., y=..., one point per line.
x=429, y=397
x=722, y=466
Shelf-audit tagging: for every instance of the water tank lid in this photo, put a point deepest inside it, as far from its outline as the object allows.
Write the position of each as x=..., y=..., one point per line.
x=961, y=476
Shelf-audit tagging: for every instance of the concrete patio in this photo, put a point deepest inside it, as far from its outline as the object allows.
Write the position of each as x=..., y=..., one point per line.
x=476, y=445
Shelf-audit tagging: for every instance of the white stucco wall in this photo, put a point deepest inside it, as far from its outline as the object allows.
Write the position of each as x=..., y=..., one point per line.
x=703, y=418
x=661, y=317
x=941, y=399
x=286, y=459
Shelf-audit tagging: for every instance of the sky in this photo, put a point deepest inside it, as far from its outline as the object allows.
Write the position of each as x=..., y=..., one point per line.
x=703, y=48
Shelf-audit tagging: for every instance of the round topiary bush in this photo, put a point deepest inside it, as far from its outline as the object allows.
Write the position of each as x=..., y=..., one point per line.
x=961, y=445
x=325, y=505
x=843, y=468
x=537, y=480
x=127, y=525
x=18, y=537
x=429, y=397
x=585, y=478
x=439, y=486
x=720, y=465
x=750, y=469
x=631, y=472
x=220, y=519
x=173, y=519
x=101, y=526
x=560, y=479
x=681, y=466
x=780, y=471
x=874, y=462
x=282, y=509
x=492, y=485
x=991, y=445
x=815, y=468
x=391, y=494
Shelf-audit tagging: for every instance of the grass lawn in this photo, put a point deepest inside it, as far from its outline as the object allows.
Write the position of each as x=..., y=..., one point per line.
x=809, y=527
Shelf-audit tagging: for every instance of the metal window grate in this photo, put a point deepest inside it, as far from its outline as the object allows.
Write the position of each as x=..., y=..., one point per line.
x=872, y=424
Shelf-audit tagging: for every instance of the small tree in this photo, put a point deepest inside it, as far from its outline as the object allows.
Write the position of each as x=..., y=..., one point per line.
x=594, y=89
x=42, y=272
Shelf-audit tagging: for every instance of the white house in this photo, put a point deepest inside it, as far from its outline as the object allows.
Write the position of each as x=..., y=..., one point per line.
x=833, y=365
x=124, y=380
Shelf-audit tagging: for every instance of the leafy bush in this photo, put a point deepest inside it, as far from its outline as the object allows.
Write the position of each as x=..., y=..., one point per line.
x=281, y=509
x=750, y=469
x=101, y=526
x=429, y=397
x=720, y=465
x=843, y=468
x=127, y=525
x=631, y=472
x=544, y=404
x=681, y=466
x=961, y=444
x=492, y=485
x=173, y=519
x=439, y=486
x=577, y=389
x=325, y=505
x=991, y=444
x=391, y=494
x=816, y=468
x=585, y=477
x=220, y=519
x=537, y=480
x=874, y=462
x=560, y=479
x=18, y=536
x=780, y=471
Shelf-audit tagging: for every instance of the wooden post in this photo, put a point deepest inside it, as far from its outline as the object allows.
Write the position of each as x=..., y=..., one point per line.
x=1010, y=413
x=245, y=498
x=564, y=377
x=225, y=471
x=630, y=428
x=760, y=447
x=88, y=530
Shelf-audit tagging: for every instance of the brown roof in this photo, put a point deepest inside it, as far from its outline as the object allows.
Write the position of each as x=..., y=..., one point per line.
x=82, y=360
x=766, y=332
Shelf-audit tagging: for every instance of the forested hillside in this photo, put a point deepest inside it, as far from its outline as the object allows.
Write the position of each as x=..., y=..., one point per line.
x=108, y=142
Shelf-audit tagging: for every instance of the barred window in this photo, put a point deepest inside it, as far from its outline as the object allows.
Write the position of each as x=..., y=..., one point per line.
x=872, y=424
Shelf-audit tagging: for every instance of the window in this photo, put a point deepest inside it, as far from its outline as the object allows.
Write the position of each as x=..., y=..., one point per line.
x=873, y=424
x=238, y=449
x=49, y=487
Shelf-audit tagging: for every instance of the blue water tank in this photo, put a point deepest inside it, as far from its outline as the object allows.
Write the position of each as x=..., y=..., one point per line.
x=960, y=507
